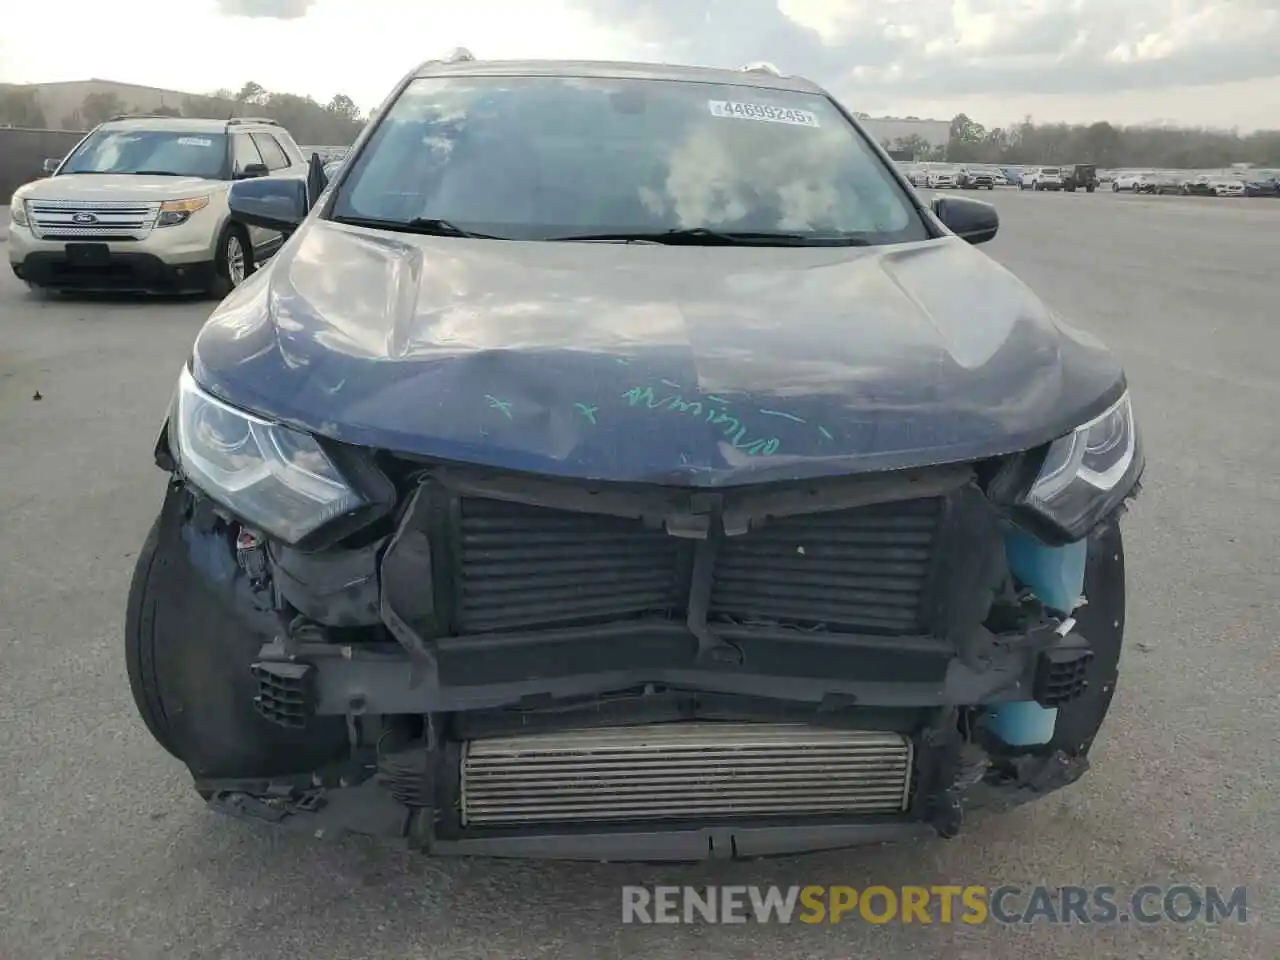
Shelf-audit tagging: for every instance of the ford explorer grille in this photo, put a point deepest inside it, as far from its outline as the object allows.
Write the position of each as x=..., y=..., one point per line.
x=683, y=771
x=91, y=219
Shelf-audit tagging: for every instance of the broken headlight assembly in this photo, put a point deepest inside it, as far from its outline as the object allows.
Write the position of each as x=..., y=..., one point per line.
x=1089, y=472
x=270, y=476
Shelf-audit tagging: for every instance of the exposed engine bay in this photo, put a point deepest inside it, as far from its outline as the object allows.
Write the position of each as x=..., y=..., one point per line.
x=521, y=666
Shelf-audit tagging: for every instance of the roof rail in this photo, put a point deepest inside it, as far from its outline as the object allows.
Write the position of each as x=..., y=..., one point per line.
x=142, y=116
x=761, y=66
x=233, y=120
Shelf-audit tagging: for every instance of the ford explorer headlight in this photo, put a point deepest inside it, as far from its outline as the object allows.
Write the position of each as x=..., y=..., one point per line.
x=174, y=212
x=270, y=476
x=1087, y=473
x=18, y=212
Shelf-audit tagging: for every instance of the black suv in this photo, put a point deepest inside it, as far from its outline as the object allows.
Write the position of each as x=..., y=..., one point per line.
x=624, y=461
x=1083, y=175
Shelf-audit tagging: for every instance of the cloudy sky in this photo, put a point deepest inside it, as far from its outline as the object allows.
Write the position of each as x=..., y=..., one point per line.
x=1204, y=62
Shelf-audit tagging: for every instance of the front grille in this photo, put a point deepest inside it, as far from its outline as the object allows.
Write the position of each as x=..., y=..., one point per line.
x=858, y=570
x=112, y=219
x=863, y=569
x=683, y=771
x=526, y=566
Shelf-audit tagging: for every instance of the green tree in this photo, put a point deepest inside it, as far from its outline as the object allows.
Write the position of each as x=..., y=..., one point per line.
x=99, y=107
x=19, y=107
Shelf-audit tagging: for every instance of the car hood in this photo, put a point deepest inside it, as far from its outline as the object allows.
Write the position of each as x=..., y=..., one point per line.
x=112, y=186
x=698, y=366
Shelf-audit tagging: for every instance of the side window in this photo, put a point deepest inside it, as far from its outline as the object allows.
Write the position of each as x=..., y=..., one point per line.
x=243, y=152
x=272, y=153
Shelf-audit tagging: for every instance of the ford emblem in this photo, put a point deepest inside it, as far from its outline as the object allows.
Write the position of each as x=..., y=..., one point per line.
x=84, y=218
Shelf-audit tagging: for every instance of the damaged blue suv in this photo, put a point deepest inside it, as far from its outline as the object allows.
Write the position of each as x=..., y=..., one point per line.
x=622, y=461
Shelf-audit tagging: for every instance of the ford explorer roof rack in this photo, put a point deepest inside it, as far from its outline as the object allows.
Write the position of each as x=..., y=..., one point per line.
x=233, y=120
x=761, y=66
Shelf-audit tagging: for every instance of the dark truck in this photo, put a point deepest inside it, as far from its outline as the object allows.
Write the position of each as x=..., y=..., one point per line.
x=549, y=494
x=1080, y=175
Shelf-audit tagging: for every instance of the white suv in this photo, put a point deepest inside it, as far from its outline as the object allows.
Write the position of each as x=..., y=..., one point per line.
x=1043, y=178
x=141, y=204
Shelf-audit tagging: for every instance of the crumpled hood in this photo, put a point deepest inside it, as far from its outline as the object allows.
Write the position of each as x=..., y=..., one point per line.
x=698, y=366
x=110, y=186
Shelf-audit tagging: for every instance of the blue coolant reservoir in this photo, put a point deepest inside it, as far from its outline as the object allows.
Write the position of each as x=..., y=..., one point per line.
x=1022, y=723
x=1056, y=576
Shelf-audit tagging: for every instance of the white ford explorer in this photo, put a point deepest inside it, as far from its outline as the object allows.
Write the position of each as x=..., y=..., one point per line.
x=141, y=204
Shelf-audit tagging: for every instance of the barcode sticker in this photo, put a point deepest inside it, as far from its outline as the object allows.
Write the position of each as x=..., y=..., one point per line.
x=195, y=142
x=763, y=112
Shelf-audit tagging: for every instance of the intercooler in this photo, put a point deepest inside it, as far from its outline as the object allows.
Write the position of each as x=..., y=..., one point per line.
x=683, y=771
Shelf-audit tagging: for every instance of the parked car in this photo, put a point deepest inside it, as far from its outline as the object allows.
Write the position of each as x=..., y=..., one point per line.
x=141, y=204
x=1083, y=175
x=502, y=516
x=975, y=178
x=1261, y=183
x=943, y=178
x=1200, y=185
x=1131, y=180
x=1163, y=182
x=1228, y=186
x=1042, y=178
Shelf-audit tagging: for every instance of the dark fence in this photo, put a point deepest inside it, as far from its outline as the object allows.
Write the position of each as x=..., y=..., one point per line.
x=23, y=152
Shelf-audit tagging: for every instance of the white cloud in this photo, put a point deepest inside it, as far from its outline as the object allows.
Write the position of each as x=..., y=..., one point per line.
x=1201, y=61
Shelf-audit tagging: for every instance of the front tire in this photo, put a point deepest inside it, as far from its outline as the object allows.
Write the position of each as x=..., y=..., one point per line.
x=233, y=262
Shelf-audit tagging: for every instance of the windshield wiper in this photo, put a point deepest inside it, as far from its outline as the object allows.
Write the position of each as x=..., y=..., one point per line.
x=704, y=236
x=157, y=173
x=427, y=226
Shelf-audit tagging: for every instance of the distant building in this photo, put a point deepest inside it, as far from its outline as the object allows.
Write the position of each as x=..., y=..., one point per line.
x=61, y=100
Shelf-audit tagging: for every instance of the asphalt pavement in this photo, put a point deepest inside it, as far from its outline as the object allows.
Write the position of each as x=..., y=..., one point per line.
x=107, y=854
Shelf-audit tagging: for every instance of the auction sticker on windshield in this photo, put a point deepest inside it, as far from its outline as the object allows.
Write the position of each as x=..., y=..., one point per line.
x=195, y=142
x=735, y=110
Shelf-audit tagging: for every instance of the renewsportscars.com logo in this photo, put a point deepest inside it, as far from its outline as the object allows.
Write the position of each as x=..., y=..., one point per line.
x=939, y=904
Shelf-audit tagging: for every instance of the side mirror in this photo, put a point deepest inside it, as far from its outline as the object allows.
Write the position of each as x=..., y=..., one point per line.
x=275, y=203
x=51, y=165
x=317, y=177
x=252, y=171
x=972, y=220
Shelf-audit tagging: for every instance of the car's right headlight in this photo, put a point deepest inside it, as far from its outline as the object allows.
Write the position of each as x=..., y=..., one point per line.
x=18, y=212
x=270, y=476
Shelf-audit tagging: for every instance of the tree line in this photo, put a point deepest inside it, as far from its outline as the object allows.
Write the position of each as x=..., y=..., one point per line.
x=1107, y=145
x=1101, y=143
x=334, y=123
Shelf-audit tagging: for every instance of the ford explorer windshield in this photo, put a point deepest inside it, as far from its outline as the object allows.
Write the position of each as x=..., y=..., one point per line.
x=555, y=158
x=151, y=152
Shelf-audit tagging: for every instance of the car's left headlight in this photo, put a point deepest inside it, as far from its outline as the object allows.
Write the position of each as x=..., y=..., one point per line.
x=1087, y=473
x=18, y=212
x=269, y=475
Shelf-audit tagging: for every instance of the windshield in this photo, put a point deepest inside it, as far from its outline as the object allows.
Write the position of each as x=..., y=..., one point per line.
x=541, y=158
x=162, y=152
